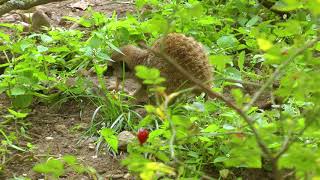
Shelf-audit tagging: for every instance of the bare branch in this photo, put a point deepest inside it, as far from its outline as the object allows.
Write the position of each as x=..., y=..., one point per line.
x=22, y=4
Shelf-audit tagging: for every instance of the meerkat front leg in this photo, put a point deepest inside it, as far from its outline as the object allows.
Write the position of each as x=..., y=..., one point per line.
x=141, y=95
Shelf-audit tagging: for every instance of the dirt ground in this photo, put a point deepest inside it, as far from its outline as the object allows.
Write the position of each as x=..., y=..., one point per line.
x=58, y=131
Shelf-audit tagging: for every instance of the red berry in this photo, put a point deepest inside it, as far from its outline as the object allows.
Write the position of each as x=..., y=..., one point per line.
x=143, y=135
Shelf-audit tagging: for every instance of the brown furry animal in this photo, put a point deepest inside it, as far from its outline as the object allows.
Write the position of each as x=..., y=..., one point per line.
x=40, y=20
x=187, y=52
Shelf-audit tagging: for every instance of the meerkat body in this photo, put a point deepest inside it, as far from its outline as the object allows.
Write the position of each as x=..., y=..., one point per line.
x=187, y=52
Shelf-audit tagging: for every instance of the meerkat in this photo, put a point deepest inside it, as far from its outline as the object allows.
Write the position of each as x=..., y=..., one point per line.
x=40, y=20
x=186, y=51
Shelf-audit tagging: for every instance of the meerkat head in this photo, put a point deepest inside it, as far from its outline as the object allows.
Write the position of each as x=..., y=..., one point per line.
x=131, y=55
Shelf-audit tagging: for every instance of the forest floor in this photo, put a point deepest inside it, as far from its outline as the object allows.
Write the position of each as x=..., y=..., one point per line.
x=57, y=131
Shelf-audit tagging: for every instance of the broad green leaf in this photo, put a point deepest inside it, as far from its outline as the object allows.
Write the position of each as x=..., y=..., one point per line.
x=42, y=48
x=149, y=75
x=211, y=128
x=110, y=138
x=220, y=61
x=52, y=166
x=244, y=153
x=264, y=44
x=70, y=160
x=18, y=90
x=45, y=38
x=227, y=42
x=253, y=21
x=22, y=101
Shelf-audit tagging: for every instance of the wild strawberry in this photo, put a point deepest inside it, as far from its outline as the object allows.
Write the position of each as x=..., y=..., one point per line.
x=142, y=135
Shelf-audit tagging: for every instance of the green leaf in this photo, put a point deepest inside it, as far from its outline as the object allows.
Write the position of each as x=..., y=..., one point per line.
x=4, y=37
x=22, y=101
x=227, y=41
x=244, y=153
x=60, y=49
x=211, y=128
x=288, y=5
x=208, y=20
x=253, y=21
x=45, y=38
x=18, y=90
x=238, y=96
x=220, y=159
x=110, y=138
x=41, y=48
x=52, y=166
x=318, y=46
x=302, y=158
x=17, y=114
x=220, y=61
x=264, y=44
x=241, y=60
x=114, y=47
x=95, y=42
x=149, y=75
x=70, y=160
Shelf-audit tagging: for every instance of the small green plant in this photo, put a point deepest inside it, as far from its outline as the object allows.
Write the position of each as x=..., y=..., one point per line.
x=57, y=167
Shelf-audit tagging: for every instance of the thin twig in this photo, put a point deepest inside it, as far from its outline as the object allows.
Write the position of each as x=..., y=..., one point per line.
x=172, y=126
x=277, y=73
x=213, y=94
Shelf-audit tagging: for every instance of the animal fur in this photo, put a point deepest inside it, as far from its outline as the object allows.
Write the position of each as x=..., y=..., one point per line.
x=187, y=52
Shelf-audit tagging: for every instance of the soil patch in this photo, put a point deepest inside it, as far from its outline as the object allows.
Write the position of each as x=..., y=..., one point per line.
x=57, y=132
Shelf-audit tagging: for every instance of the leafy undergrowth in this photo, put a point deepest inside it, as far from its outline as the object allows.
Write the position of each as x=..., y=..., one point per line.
x=258, y=54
